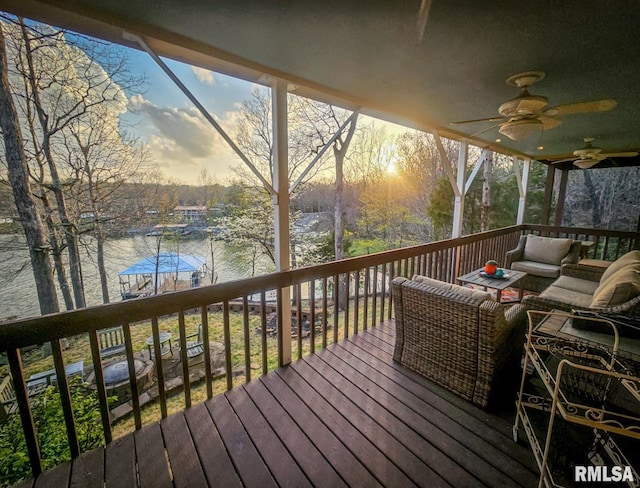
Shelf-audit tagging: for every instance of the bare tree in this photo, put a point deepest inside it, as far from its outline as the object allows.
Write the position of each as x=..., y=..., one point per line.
x=18, y=177
x=102, y=159
x=66, y=89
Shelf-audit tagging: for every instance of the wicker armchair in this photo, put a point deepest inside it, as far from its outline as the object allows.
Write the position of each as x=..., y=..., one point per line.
x=541, y=258
x=464, y=343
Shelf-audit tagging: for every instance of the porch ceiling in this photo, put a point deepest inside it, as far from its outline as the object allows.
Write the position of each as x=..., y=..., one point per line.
x=367, y=54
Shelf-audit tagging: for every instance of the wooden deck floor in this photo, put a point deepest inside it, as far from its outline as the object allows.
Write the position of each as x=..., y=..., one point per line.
x=346, y=416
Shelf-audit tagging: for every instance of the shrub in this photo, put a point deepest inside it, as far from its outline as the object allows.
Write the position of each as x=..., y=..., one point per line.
x=52, y=434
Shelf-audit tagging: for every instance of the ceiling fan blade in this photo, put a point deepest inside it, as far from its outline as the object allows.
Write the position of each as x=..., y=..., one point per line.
x=583, y=107
x=485, y=129
x=563, y=160
x=489, y=119
x=549, y=122
x=586, y=163
x=630, y=154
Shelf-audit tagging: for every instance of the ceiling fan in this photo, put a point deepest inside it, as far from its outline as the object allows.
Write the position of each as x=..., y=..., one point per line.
x=525, y=114
x=589, y=156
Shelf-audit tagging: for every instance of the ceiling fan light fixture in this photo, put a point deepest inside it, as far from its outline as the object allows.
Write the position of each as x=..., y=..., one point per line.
x=520, y=129
x=586, y=163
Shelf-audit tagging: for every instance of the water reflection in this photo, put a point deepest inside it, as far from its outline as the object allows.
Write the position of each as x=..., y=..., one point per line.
x=18, y=296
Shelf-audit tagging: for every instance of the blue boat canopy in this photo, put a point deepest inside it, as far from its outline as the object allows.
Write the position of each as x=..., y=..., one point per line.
x=167, y=262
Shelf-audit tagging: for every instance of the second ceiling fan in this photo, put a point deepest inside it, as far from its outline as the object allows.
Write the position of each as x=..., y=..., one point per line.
x=526, y=114
x=588, y=156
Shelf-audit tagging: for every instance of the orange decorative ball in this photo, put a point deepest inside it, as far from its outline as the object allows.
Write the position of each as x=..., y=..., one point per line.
x=491, y=267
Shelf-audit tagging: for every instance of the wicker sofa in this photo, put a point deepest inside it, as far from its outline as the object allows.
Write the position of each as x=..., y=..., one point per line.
x=614, y=291
x=459, y=338
x=541, y=258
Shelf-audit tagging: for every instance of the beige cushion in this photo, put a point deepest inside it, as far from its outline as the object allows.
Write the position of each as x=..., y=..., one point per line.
x=632, y=257
x=622, y=286
x=460, y=290
x=576, y=284
x=537, y=269
x=440, y=285
x=570, y=297
x=547, y=250
x=470, y=293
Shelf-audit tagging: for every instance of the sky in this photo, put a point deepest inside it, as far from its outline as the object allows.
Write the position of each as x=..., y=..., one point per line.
x=177, y=137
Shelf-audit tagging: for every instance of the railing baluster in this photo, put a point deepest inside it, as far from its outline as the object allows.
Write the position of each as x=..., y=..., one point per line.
x=208, y=375
x=186, y=384
x=100, y=386
x=227, y=343
x=336, y=307
x=347, y=294
x=247, y=341
x=375, y=296
x=133, y=382
x=325, y=311
x=26, y=417
x=356, y=302
x=391, y=277
x=365, y=307
x=299, y=318
x=65, y=398
x=312, y=316
x=383, y=294
x=606, y=247
x=280, y=326
x=162, y=395
x=263, y=327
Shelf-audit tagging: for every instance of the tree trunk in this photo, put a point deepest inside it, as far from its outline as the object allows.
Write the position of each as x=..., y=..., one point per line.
x=340, y=148
x=486, y=192
x=19, y=179
x=593, y=198
x=104, y=285
x=56, y=254
x=69, y=228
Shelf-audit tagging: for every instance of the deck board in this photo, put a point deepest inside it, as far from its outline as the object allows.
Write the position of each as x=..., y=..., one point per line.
x=120, y=463
x=216, y=463
x=345, y=416
x=283, y=467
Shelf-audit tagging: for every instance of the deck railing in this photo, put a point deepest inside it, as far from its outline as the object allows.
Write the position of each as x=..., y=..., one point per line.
x=337, y=299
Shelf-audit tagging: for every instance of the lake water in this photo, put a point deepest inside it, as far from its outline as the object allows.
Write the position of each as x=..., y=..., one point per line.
x=18, y=295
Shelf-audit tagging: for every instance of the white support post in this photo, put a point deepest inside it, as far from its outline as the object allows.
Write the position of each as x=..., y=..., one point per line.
x=458, y=207
x=281, y=205
x=522, y=186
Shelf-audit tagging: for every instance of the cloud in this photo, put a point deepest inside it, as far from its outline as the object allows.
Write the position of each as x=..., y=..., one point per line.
x=204, y=75
x=184, y=126
x=182, y=143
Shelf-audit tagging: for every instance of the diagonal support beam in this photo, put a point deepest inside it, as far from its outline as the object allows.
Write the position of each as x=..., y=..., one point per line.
x=352, y=119
x=476, y=169
x=447, y=164
x=205, y=113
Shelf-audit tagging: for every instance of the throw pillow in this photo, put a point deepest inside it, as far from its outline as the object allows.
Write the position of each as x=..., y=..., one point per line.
x=548, y=250
x=632, y=257
x=619, y=288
